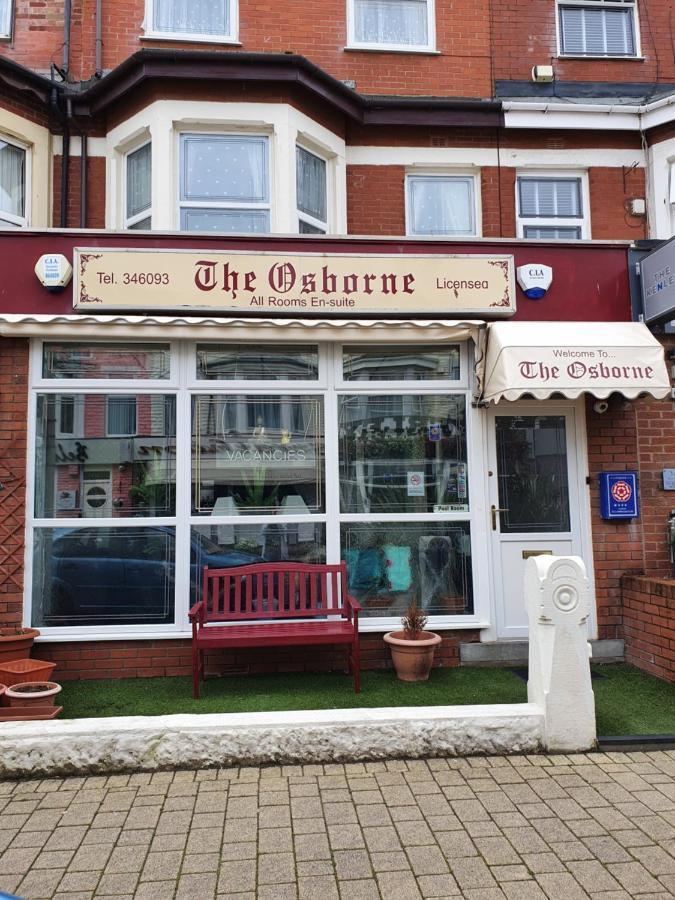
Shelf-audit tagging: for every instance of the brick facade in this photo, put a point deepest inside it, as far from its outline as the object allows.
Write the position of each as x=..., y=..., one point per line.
x=649, y=624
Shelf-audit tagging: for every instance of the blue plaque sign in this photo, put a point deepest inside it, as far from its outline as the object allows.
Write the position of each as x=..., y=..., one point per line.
x=619, y=495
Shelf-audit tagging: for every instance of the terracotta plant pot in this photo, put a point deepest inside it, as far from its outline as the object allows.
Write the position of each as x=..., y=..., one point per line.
x=32, y=693
x=17, y=646
x=412, y=659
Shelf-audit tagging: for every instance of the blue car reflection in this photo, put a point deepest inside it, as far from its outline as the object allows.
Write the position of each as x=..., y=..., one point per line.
x=121, y=576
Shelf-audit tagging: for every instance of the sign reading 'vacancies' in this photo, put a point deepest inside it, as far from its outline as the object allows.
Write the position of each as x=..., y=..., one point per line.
x=296, y=284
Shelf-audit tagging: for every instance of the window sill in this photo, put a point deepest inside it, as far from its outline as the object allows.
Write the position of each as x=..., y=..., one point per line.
x=374, y=625
x=190, y=38
x=375, y=48
x=595, y=57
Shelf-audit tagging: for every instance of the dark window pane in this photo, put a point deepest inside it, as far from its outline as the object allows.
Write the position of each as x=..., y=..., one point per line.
x=103, y=576
x=532, y=463
x=311, y=181
x=408, y=363
x=390, y=564
x=105, y=360
x=262, y=362
x=403, y=453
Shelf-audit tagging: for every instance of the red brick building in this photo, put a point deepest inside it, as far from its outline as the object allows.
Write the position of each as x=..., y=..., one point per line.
x=436, y=127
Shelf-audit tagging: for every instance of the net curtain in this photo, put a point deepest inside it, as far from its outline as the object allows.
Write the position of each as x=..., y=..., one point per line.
x=192, y=16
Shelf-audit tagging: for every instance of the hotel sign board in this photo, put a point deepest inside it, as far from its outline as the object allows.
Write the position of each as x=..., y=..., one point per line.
x=658, y=284
x=152, y=280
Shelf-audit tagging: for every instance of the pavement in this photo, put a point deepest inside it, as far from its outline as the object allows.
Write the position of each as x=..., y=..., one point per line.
x=521, y=827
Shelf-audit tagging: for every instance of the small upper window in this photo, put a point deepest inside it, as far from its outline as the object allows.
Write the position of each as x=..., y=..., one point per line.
x=138, y=196
x=551, y=208
x=192, y=19
x=312, y=192
x=440, y=204
x=224, y=183
x=12, y=185
x=5, y=18
x=597, y=27
x=396, y=24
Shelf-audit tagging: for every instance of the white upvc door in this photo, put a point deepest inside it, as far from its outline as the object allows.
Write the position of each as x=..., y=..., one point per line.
x=534, y=498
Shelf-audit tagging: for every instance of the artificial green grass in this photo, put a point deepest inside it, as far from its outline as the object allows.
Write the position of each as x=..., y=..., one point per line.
x=628, y=702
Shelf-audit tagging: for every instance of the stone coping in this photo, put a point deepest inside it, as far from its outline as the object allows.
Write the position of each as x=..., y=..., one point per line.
x=85, y=746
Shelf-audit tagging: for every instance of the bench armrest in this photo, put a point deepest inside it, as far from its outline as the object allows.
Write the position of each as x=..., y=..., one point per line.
x=196, y=614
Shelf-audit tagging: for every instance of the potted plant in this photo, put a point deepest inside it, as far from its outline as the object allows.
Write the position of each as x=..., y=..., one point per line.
x=16, y=642
x=412, y=649
x=32, y=693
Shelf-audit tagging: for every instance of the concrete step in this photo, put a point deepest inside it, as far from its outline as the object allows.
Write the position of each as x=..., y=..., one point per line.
x=514, y=653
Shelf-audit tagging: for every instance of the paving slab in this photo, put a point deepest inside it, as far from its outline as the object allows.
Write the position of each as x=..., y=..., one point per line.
x=527, y=827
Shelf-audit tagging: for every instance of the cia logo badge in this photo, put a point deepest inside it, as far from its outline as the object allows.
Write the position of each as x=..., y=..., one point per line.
x=534, y=279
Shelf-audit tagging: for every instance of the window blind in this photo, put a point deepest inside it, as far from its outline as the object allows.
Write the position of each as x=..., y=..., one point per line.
x=597, y=31
x=550, y=198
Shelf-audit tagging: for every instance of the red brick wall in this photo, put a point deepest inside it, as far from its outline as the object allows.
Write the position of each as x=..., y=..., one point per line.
x=13, y=417
x=649, y=624
x=610, y=193
x=525, y=36
x=132, y=659
x=639, y=436
x=376, y=200
x=37, y=34
x=96, y=192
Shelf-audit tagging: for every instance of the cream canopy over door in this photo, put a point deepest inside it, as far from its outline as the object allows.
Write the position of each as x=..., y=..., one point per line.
x=572, y=358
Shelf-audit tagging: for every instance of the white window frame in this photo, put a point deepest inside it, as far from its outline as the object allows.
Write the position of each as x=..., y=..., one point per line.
x=6, y=19
x=20, y=221
x=595, y=4
x=225, y=204
x=583, y=222
x=306, y=217
x=429, y=47
x=457, y=175
x=149, y=32
x=146, y=213
x=184, y=385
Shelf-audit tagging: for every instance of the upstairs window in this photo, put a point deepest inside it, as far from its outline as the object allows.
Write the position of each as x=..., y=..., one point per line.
x=192, y=19
x=224, y=183
x=312, y=192
x=551, y=208
x=440, y=204
x=12, y=185
x=138, y=193
x=394, y=24
x=598, y=27
x=5, y=18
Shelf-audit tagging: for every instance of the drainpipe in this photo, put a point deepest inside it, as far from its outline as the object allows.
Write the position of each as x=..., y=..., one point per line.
x=65, y=160
x=67, y=16
x=99, y=40
x=83, y=180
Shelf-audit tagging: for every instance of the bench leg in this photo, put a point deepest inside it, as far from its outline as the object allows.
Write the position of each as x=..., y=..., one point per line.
x=355, y=660
x=196, y=659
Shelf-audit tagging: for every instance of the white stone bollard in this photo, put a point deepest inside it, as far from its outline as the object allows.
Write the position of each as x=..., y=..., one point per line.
x=557, y=602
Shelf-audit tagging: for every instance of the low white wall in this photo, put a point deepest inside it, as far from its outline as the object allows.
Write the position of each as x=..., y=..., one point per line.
x=190, y=741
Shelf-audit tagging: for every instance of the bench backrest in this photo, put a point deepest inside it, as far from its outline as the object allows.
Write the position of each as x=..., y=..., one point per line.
x=274, y=591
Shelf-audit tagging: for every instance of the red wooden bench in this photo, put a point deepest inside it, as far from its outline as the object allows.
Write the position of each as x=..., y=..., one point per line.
x=275, y=605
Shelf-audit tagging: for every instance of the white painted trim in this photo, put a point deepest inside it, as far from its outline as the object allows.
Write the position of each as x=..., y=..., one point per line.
x=662, y=211
x=429, y=47
x=471, y=158
x=36, y=141
x=96, y=146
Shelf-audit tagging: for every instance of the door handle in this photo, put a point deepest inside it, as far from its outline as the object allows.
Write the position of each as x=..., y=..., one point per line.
x=493, y=512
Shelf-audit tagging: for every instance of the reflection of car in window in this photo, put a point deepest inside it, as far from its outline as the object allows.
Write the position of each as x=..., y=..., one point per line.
x=123, y=575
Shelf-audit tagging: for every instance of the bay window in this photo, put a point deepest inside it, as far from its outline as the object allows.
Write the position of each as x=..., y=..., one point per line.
x=224, y=183
x=13, y=184
x=312, y=198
